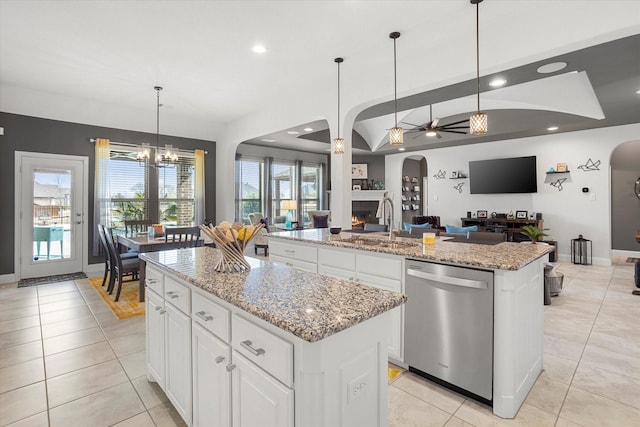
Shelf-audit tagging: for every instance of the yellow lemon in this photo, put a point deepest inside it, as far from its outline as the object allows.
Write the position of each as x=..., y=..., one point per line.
x=244, y=234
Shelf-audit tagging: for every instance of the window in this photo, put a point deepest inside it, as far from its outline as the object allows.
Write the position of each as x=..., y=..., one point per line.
x=176, y=189
x=283, y=179
x=127, y=188
x=249, y=188
x=310, y=197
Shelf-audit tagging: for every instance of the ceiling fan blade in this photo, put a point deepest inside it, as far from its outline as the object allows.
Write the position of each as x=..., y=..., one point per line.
x=411, y=124
x=453, y=127
x=458, y=122
x=453, y=131
x=414, y=130
x=417, y=135
x=438, y=135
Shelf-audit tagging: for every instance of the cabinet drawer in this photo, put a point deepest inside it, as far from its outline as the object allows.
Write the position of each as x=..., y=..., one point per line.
x=210, y=315
x=311, y=267
x=270, y=352
x=380, y=266
x=337, y=259
x=299, y=252
x=154, y=280
x=177, y=294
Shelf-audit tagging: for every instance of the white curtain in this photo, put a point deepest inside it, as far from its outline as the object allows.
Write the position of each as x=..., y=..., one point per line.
x=199, y=195
x=101, y=211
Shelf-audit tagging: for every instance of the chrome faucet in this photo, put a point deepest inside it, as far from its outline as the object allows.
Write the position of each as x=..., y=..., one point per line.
x=386, y=199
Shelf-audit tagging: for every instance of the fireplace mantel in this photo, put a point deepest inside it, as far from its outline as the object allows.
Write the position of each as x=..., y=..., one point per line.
x=367, y=195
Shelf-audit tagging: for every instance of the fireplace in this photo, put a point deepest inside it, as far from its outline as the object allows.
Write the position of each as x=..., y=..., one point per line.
x=359, y=218
x=363, y=212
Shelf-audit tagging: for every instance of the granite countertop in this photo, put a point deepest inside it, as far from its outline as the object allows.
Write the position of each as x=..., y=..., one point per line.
x=308, y=305
x=501, y=256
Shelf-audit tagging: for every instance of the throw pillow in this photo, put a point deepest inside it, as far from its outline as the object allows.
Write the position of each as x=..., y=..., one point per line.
x=408, y=227
x=452, y=229
x=320, y=221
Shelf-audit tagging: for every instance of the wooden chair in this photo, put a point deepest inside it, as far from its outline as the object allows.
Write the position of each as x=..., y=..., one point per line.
x=119, y=266
x=189, y=237
x=133, y=227
x=107, y=258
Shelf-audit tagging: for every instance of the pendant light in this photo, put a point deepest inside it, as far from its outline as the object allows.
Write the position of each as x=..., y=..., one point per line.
x=395, y=133
x=478, y=120
x=338, y=143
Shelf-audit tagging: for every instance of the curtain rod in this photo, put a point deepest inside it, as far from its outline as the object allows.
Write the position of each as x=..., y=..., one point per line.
x=128, y=144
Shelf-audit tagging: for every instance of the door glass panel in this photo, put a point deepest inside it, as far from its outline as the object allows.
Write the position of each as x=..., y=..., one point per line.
x=51, y=214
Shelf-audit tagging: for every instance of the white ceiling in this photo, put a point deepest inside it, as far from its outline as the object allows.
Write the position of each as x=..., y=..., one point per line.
x=97, y=61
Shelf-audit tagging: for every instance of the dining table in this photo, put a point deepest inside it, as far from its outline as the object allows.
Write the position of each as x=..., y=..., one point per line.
x=145, y=243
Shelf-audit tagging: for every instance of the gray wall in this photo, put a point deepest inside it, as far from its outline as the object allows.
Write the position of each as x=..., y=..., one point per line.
x=24, y=133
x=625, y=206
x=375, y=167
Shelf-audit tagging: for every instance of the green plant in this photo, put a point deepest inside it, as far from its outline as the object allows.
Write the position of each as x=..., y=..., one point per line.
x=533, y=232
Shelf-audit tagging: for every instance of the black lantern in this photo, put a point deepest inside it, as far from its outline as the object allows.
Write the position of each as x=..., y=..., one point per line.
x=581, y=251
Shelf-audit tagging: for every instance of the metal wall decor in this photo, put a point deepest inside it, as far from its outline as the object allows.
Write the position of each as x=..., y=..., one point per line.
x=441, y=174
x=459, y=187
x=590, y=166
x=558, y=183
x=636, y=188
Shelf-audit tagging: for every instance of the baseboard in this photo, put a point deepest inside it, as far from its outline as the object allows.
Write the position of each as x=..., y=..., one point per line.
x=596, y=260
x=7, y=278
x=622, y=253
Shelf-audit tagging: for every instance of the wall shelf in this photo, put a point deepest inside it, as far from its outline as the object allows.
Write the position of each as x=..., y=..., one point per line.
x=556, y=173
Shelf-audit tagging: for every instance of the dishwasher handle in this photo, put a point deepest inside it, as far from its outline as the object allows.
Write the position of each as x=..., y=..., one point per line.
x=456, y=281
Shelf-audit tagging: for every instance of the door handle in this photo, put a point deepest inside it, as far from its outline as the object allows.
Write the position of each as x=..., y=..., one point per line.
x=456, y=281
x=255, y=351
x=203, y=316
x=77, y=222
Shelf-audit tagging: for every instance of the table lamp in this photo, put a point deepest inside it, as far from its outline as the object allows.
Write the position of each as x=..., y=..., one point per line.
x=289, y=205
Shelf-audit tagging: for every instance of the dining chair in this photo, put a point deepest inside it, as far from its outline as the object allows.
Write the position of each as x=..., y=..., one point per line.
x=107, y=257
x=133, y=227
x=119, y=266
x=184, y=237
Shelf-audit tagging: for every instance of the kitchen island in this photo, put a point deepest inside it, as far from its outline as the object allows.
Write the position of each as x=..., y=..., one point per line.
x=517, y=306
x=274, y=346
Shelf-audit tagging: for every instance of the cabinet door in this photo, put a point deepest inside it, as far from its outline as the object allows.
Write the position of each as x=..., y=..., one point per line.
x=211, y=381
x=155, y=338
x=338, y=273
x=178, y=360
x=259, y=399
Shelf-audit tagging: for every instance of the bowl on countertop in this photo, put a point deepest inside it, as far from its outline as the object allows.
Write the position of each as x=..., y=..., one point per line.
x=335, y=230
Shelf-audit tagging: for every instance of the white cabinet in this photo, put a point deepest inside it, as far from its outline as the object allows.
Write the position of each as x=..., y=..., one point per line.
x=178, y=363
x=155, y=338
x=380, y=271
x=258, y=399
x=211, y=379
x=295, y=255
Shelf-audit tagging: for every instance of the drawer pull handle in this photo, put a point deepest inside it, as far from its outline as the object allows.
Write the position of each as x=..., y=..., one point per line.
x=163, y=311
x=152, y=281
x=203, y=316
x=158, y=307
x=289, y=264
x=172, y=294
x=289, y=251
x=219, y=359
x=231, y=367
x=255, y=351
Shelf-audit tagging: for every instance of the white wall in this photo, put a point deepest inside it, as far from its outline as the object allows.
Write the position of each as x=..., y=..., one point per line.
x=566, y=213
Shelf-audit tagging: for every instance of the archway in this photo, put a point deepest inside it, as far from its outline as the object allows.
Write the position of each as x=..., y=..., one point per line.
x=414, y=187
x=625, y=204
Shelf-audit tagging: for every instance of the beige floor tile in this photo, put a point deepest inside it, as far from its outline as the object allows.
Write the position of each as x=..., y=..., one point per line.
x=79, y=358
x=101, y=409
x=22, y=403
x=457, y=422
x=48, y=299
x=22, y=374
x=16, y=313
x=83, y=382
x=97, y=307
x=21, y=336
x=629, y=345
x=612, y=359
x=150, y=393
x=165, y=415
x=125, y=327
x=72, y=340
x=129, y=344
x=482, y=416
x=60, y=316
x=434, y=394
x=588, y=409
x=19, y=323
x=407, y=410
x=8, y=292
x=611, y=385
x=12, y=304
x=38, y=420
x=562, y=347
x=140, y=420
x=558, y=368
x=20, y=353
x=548, y=395
x=57, y=288
x=135, y=364
x=63, y=304
x=568, y=328
x=66, y=326
x=106, y=318
x=566, y=423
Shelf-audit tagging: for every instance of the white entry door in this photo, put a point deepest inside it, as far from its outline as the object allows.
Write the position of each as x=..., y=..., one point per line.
x=51, y=203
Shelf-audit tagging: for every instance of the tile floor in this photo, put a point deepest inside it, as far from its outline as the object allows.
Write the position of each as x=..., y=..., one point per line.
x=65, y=360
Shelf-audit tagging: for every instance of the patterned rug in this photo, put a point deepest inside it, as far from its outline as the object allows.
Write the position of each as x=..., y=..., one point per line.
x=394, y=372
x=128, y=304
x=50, y=279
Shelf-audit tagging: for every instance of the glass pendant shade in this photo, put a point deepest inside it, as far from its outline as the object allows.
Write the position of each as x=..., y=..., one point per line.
x=478, y=123
x=396, y=135
x=338, y=146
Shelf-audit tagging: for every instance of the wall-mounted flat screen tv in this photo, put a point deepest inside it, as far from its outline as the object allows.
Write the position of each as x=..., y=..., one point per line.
x=497, y=176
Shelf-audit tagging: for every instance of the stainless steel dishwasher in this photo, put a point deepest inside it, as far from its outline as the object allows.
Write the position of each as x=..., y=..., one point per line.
x=449, y=326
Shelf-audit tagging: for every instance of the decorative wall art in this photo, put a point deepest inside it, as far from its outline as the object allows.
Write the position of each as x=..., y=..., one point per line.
x=441, y=174
x=561, y=167
x=521, y=214
x=558, y=183
x=459, y=187
x=482, y=214
x=590, y=166
x=359, y=171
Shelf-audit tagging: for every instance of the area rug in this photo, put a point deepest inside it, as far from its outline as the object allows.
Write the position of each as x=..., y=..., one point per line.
x=394, y=372
x=50, y=279
x=128, y=304
x=631, y=259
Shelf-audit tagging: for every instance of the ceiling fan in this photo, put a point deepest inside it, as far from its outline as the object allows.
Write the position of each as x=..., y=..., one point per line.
x=433, y=126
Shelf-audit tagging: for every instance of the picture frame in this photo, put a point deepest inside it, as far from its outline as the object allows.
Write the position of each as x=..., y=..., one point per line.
x=482, y=214
x=356, y=187
x=561, y=167
x=359, y=171
x=454, y=174
x=521, y=214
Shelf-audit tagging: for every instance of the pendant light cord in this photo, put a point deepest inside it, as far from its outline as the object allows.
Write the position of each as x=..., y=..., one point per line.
x=395, y=85
x=338, y=61
x=478, y=52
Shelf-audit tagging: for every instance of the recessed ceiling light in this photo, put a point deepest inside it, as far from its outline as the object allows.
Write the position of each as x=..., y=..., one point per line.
x=497, y=82
x=268, y=140
x=401, y=149
x=552, y=128
x=308, y=129
x=432, y=132
x=293, y=132
x=551, y=68
x=638, y=92
x=259, y=49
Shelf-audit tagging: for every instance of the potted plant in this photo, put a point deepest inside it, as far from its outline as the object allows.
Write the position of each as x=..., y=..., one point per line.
x=533, y=232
